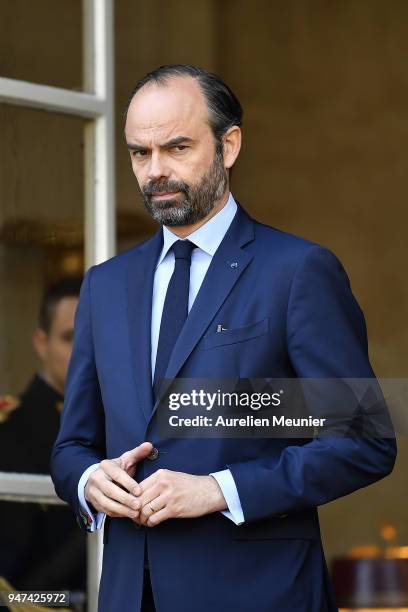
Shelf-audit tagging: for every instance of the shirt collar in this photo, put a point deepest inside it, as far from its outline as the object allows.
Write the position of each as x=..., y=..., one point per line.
x=208, y=237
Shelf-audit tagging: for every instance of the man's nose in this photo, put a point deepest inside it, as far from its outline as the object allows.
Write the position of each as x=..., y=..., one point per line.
x=157, y=167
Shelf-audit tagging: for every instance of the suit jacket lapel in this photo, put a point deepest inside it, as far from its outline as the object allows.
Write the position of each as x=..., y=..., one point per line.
x=227, y=265
x=140, y=277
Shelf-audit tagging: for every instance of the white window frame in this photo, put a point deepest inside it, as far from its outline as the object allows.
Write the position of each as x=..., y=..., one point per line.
x=99, y=160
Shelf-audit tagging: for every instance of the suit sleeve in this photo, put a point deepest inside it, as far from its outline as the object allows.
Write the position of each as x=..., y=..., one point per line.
x=326, y=338
x=81, y=439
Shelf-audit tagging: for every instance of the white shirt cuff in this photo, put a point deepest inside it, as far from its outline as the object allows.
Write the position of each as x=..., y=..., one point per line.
x=230, y=492
x=94, y=521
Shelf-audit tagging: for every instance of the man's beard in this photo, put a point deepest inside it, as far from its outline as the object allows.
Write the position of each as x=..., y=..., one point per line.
x=198, y=201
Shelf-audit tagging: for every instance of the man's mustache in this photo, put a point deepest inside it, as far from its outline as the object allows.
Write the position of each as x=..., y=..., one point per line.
x=152, y=188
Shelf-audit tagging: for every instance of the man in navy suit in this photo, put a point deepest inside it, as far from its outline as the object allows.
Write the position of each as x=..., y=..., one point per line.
x=222, y=523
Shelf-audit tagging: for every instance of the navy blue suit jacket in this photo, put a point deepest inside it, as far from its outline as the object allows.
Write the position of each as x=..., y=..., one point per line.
x=289, y=312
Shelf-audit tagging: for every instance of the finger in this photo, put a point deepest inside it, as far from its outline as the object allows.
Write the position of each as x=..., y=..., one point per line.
x=115, y=492
x=158, y=517
x=146, y=511
x=131, y=457
x=159, y=503
x=154, y=505
x=112, y=508
x=114, y=472
x=161, y=475
x=150, y=493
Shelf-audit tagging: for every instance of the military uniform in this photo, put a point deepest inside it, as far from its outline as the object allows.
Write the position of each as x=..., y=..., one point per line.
x=41, y=546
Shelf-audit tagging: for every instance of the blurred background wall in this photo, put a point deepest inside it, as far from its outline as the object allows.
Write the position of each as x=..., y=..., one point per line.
x=324, y=87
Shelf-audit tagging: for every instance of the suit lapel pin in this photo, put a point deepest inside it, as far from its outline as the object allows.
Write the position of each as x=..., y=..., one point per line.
x=233, y=264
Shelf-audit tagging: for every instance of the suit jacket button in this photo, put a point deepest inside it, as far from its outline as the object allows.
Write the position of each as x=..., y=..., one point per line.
x=153, y=455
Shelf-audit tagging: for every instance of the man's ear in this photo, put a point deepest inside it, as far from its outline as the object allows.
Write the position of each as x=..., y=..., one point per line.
x=231, y=145
x=40, y=341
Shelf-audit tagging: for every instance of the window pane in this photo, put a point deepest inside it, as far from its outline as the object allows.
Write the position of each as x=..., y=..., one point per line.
x=41, y=223
x=41, y=42
x=41, y=243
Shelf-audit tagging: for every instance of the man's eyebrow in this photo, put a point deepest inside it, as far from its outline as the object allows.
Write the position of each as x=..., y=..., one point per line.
x=135, y=147
x=170, y=143
x=178, y=140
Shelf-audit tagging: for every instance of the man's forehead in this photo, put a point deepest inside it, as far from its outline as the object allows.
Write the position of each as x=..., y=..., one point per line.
x=164, y=108
x=65, y=308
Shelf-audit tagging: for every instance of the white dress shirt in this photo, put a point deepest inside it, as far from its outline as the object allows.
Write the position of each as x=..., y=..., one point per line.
x=207, y=239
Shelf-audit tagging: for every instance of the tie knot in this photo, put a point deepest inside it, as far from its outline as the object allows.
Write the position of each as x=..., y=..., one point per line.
x=183, y=249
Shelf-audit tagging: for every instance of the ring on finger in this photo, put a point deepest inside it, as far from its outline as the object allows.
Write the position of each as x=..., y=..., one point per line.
x=150, y=506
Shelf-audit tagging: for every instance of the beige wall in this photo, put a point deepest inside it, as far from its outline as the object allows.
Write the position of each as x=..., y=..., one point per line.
x=325, y=91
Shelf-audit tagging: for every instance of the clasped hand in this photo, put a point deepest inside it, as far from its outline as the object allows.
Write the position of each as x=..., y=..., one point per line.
x=165, y=494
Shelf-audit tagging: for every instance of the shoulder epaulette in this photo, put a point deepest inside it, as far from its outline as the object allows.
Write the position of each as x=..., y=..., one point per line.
x=8, y=403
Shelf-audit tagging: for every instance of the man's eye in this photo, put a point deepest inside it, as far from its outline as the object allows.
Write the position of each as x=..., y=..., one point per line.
x=139, y=153
x=180, y=147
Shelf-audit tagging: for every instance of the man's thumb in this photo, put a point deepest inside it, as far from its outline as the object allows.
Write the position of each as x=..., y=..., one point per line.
x=131, y=457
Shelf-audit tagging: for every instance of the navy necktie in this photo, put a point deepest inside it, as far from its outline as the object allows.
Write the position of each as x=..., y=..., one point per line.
x=175, y=309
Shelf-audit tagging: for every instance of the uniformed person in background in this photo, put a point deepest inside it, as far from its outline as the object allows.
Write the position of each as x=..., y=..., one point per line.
x=41, y=547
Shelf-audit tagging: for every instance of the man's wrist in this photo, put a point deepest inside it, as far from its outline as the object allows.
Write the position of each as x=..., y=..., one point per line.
x=216, y=497
x=86, y=512
x=90, y=505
